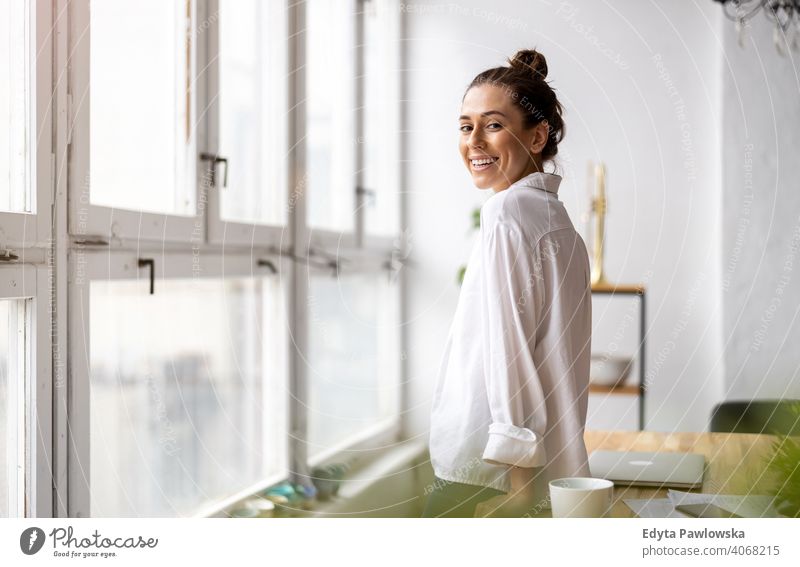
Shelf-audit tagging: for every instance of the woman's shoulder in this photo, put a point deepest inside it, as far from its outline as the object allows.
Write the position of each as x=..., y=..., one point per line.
x=529, y=211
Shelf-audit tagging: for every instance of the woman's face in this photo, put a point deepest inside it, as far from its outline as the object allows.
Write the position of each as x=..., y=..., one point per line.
x=495, y=147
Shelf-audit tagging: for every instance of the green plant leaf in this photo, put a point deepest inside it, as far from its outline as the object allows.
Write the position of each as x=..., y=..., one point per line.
x=461, y=271
x=783, y=467
x=476, y=218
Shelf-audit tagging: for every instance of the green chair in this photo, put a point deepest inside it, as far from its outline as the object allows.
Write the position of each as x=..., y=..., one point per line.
x=774, y=417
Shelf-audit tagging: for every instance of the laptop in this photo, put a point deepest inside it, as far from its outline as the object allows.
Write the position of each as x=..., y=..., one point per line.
x=648, y=468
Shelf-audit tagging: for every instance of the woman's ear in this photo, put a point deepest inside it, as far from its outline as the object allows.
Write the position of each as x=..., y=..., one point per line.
x=539, y=141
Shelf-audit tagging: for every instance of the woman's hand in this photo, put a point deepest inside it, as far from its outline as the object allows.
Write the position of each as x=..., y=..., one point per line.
x=527, y=492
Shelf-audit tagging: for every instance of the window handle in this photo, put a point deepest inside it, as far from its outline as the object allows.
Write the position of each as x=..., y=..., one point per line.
x=149, y=262
x=262, y=263
x=366, y=194
x=215, y=159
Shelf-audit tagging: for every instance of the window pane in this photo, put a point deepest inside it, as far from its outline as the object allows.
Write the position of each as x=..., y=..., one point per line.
x=14, y=107
x=188, y=392
x=330, y=138
x=253, y=110
x=381, y=144
x=354, y=361
x=142, y=106
x=8, y=430
x=12, y=429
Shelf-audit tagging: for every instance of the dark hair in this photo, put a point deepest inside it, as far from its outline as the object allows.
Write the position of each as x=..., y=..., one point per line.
x=525, y=81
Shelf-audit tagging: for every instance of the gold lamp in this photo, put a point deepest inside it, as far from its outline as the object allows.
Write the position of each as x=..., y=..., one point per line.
x=599, y=207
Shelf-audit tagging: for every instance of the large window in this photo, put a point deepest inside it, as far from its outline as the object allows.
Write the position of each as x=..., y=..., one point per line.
x=208, y=162
x=188, y=390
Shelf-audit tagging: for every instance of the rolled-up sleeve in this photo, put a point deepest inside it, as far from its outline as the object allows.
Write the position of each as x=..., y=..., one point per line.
x=511, y=304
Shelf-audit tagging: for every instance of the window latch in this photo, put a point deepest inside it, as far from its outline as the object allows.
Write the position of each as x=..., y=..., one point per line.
x=149, y=262
x=367, y=194
x=263, y=263
x=215, y=159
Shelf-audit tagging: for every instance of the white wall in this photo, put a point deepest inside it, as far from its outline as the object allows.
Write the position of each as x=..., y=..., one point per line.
x=663, y=181
x=761, y=216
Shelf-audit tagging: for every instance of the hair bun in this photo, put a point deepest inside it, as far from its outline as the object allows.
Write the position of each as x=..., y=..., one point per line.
x=530, y=61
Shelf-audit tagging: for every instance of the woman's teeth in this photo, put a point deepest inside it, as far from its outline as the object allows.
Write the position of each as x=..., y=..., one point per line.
x=481, y=164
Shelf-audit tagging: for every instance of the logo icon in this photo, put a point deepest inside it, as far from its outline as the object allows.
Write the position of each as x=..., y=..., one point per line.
x=31, y=540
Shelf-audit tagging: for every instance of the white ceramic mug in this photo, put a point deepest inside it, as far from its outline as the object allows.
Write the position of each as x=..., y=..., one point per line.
x=581, y=497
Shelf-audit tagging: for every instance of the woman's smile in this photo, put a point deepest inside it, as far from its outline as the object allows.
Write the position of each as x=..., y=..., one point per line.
x=482, y=163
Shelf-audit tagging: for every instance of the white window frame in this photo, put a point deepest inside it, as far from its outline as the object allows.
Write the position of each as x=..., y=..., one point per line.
x=34, y=394
x=101, y=264
x=21, y=230
x=353, y=250
x=98, y=223
x=220, y=231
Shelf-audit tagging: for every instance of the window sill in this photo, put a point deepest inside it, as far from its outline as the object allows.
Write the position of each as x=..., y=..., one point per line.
x=387, y=466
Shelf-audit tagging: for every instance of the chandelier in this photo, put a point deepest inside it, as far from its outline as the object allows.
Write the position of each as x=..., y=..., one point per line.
x=784, y=14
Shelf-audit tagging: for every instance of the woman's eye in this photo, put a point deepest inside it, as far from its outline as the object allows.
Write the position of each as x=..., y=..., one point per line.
x=467, y=127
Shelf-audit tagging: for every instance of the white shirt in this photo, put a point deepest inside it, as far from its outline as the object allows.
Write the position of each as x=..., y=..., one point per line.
x=512, y=385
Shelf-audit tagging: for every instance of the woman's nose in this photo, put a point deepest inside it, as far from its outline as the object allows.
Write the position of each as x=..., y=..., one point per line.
x=475, y=139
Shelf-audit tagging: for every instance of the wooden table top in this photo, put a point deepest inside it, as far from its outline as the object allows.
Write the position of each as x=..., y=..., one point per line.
x=734, y=461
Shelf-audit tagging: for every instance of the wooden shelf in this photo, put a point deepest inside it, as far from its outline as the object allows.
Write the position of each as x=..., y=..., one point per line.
x=635, y=291
x=632, y=289
x=626, y=389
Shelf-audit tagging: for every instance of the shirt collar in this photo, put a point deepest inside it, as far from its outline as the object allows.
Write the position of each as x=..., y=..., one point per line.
x=539, y=180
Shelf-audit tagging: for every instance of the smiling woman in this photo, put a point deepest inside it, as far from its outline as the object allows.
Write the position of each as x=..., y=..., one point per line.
x=512, y=389
x=510, y=122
